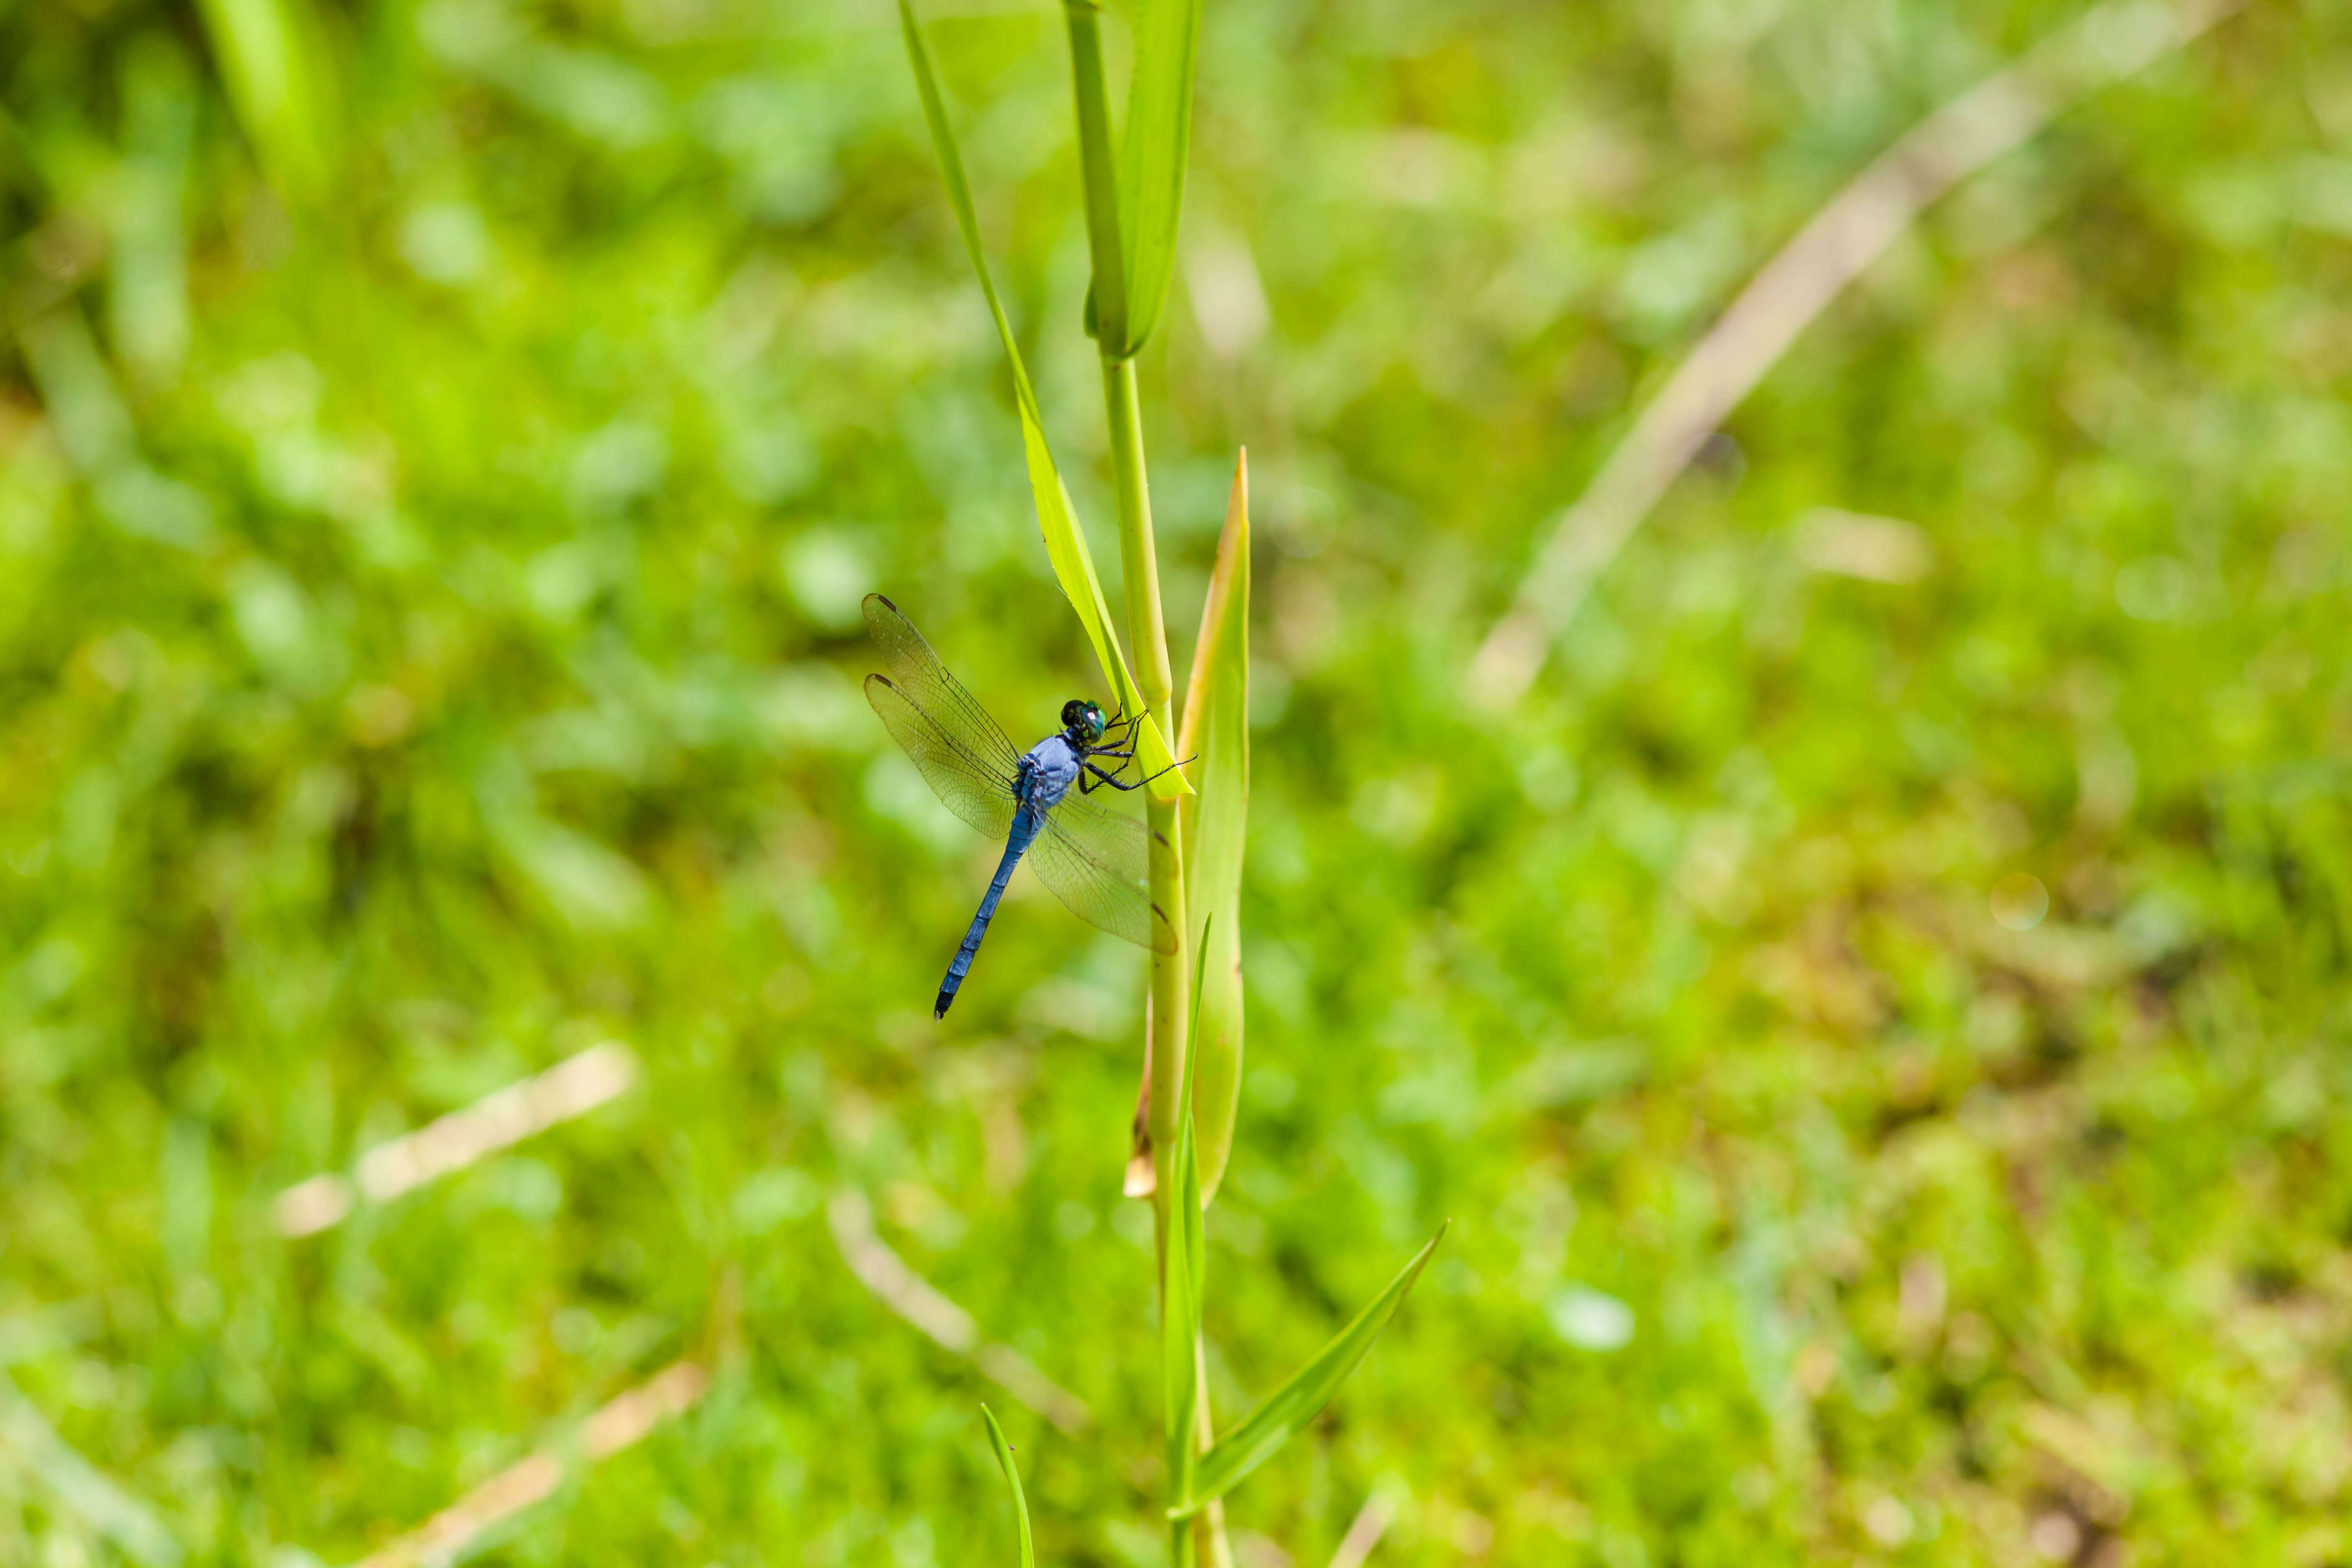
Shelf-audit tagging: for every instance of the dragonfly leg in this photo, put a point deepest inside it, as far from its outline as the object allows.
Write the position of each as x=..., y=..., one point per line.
x=1132, y=783
x=1111, y=777
x=1169, y=768
x=1087, y=785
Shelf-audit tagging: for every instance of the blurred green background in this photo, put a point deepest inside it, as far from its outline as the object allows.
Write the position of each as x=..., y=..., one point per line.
x=1880, y=1039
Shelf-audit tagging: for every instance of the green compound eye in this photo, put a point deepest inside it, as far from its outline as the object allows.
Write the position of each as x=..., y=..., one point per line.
x=1084, y=719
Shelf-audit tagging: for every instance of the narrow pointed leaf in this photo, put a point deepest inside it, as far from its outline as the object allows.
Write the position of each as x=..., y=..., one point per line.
x=1065, y=545
x=1013, y=1484
x=1180, y=1303
x=1151, y=168
x=1215, y=821
x=1179, y=1319
x=1106, y=311
x=280, y=81
x=1296, y=1403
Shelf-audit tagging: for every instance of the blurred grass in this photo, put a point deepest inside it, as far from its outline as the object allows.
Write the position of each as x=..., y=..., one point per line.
x=429, y=647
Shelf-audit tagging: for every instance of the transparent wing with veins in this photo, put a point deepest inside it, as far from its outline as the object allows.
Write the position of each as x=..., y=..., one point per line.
x=1092, y=858
x=1097, y=862
x=950, y=763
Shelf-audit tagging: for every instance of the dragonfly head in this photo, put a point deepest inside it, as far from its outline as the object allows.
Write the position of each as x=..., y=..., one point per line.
x=1081, y=721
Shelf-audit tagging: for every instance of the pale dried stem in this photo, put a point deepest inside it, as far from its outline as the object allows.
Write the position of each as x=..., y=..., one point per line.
x=572, y=1087
x=1845, y=237
x=1364, y=1531
x=949, y=1326
x=619, y=1424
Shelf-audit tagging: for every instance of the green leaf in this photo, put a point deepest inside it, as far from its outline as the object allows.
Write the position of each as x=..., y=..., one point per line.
x=1106, y=311
x=1180, y=1300
x=280, y=81
x=1296, y=1403
x=1216, y=732
x=80, y=1488
x=1065, y=545
x=1151, y=165
x=1013, y=1484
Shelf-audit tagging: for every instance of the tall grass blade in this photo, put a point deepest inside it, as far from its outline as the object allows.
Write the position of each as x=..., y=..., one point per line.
x=148, y=316
x=80, y=1487
x=1065, y=545
x=1106, y=311
x=1151, y=165
x=1216, y=732
x=1179, y=1314
x=1013, y=1484
x=1296, y=1403
x=274, y=60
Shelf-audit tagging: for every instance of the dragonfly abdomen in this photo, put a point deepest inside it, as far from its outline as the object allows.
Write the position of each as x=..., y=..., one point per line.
x=1026, y=824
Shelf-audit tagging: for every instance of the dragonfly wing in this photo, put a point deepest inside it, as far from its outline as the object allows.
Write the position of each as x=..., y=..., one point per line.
x=955, y=714
x=1094, y=861
x=958, y=775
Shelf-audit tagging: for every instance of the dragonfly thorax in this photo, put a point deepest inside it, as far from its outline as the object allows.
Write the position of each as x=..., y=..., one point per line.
x=1047, y=772
x=1082, y=721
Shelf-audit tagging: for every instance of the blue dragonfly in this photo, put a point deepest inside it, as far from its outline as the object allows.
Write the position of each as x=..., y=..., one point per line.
x=1093, y=858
